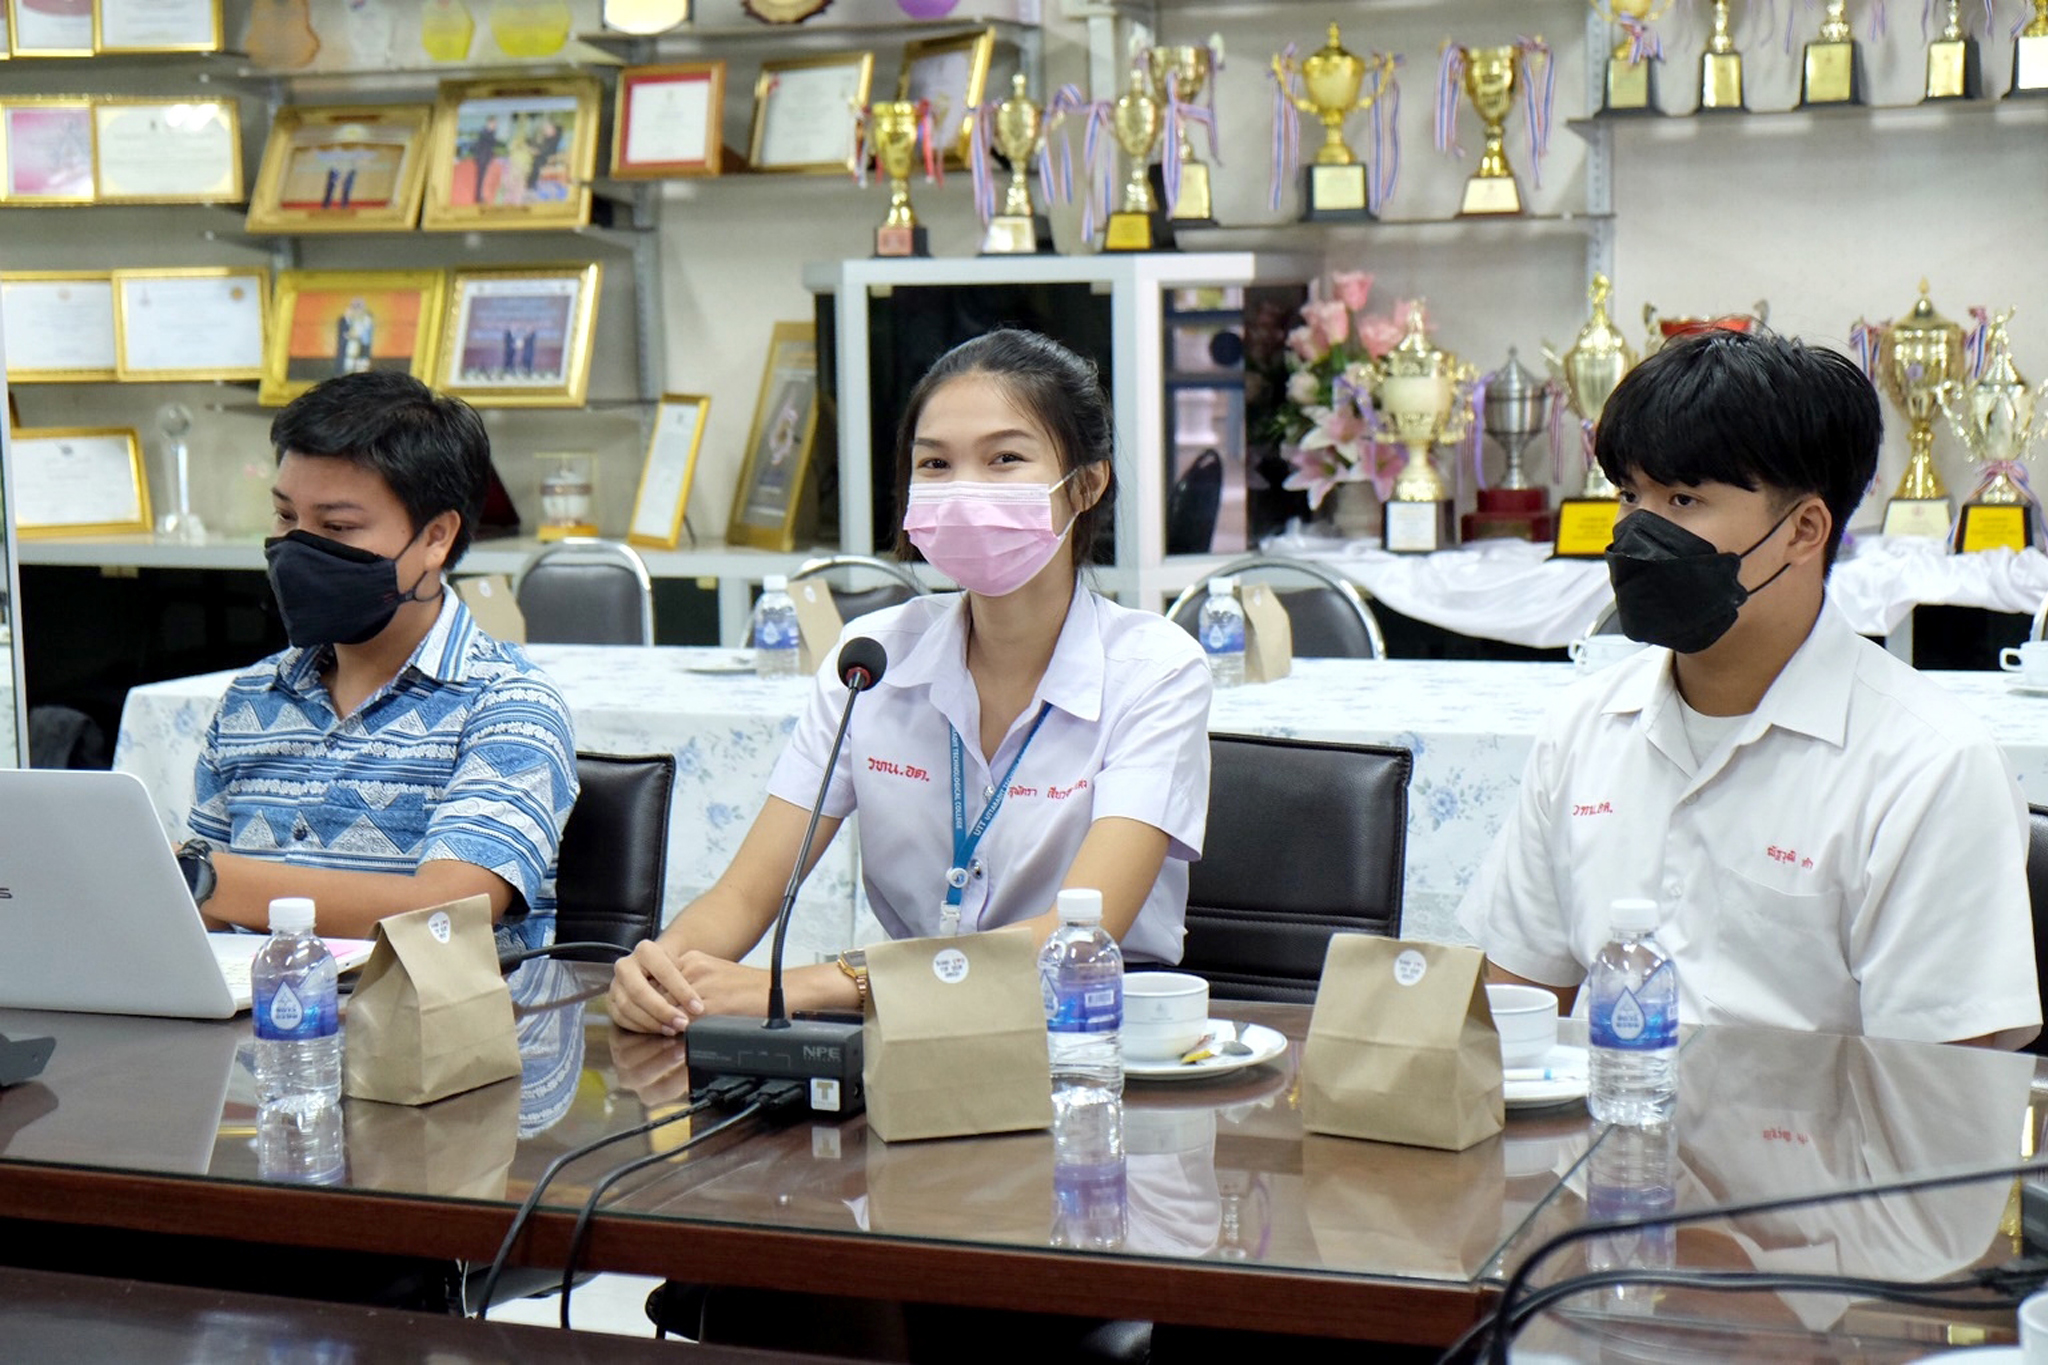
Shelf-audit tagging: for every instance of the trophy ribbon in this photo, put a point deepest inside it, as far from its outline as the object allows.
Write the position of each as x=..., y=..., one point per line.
x=1098, y=171
x=1973, y=342
x=934, y=163
x=1559, y=399
x=2011, y=469
x=1877, y=21
x=2018, y=25
x=980, y=118
x=863, y=145
x=1863, y=340
x=1643, y=42
x=1386, y=135
x=1478, y=436
x=1286, y=128
x=1450, y=73
x=1537, y=109
x=1177, y=110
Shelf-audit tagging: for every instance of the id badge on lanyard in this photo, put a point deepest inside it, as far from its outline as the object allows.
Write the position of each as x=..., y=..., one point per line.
x=966, y=839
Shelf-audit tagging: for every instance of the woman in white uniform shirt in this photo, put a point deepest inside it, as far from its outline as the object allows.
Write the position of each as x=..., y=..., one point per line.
x=1081, y=726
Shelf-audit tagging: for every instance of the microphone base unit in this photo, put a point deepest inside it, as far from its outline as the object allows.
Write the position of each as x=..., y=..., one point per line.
x=825, y=1054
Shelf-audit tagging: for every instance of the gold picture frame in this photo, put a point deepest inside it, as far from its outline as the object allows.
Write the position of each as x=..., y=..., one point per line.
x=63, y=319
x=683, y=96
x=325, y=323
x=955, y=71
x=520, y=337
x=165, y=319
x=147, y=150
x=133, y=33
x=501, y=158
x=663, y=502
x=797, y=101
x=47, y=151
x=78, y=481
x=342, y=168
x=47, y=34
x=777, y=469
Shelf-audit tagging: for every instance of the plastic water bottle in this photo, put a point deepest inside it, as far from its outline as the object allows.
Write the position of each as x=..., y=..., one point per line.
x=1222, y=632
x=298, y=1020
x=1090, y=1193
x=1632, y=1016
x=775, y=630
x=1631, y=1176
x=300, y=1140
x=1081, y=973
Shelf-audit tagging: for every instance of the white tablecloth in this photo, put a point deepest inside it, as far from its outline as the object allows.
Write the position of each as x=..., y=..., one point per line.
x=1470, y=725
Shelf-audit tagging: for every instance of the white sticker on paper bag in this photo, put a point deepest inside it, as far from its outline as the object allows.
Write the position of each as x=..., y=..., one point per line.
x=440, y=926
x=950, y=966
x=1409, y=967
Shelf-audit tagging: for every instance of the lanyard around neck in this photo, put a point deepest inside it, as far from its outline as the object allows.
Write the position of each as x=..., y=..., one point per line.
x=965, y=839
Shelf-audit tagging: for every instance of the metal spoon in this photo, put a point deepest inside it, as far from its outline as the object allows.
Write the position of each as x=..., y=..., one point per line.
x=1234, y=1046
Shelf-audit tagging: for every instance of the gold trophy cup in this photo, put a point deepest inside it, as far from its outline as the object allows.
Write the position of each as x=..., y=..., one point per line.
x=1994, y=415
x=1019, y=229
x=1335, y=184
x=1589, y=372
x=1137, y=119
x=1631, y=76
x=1833, y=71
x=1491, y=78
x=893, y=133
x=1721, y=67
x=1916, y=356
x=1417, y=393
x=2030, y=55
x=1186, y=67
x=1661, y=329
x=1955, y=69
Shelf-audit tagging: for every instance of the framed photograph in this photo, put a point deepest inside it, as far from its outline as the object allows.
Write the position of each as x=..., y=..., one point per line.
x=200, y=323
x=78, y=481
x=346, y=168
x=804, y=111
x=49, y=28
x=779, y=444
x=155, y=151
x=156, y=26
x=671, y=468
x=512, y=154
x=46, y=151
x=669, y=121
x=520, y=338
x=59, y=326
x=329, y=322
x=953, y=74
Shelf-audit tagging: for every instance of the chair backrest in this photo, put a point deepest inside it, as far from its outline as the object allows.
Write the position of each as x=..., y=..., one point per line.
x=1328, y=621
x=1192, y=504
x=2037, y=892
x=1608, y=622
x=586, y=592
x=614, y=855
x=898, y=587
x=1304, y=840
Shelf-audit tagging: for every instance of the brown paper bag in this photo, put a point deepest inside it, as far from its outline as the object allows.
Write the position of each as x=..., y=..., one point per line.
x=457, y=1148
x=431, y=1016
x=956, y=1043
x=1268, y=636
x=817, y=622
x=490, y=600
x=1402, y=1047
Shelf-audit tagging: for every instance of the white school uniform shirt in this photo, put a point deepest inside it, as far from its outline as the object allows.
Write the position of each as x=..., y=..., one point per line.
x=1127, y=735
x=1851, y=859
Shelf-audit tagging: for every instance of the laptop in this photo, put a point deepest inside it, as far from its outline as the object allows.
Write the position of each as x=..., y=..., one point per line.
x=94, y=912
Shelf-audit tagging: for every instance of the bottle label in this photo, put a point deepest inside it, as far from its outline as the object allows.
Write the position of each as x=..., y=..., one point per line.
x=1630, y=1023
x=775, y=632
x=1091, y=1007
x=1224, y=635
x=285, y=1015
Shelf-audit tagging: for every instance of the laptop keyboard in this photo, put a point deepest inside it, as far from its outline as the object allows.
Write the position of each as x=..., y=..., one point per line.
x=236, y=956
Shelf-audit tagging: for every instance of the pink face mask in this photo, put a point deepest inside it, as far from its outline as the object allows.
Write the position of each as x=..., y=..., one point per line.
x=990, y=538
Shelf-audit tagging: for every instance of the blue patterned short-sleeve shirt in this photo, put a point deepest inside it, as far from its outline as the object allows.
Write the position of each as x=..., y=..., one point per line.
x=468, y=754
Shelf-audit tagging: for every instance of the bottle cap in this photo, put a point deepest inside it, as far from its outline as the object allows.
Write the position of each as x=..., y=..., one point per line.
x=1223, y=586
x=291, y=915
x=1081, y=905
x=1634, y=916
x=775, y=582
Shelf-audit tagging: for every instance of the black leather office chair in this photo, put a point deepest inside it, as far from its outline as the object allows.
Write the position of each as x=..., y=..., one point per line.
x=1327, y=621
x=586, y=592
x=898, y=583
x=2037, y=892
x=614, y=855
x=1192, y=504
x=1305, y=840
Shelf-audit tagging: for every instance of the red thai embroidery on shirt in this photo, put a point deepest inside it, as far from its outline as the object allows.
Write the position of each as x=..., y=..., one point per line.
x=883, y=765
x=1600, y=808
x=1062, y=793
x=1790, y=857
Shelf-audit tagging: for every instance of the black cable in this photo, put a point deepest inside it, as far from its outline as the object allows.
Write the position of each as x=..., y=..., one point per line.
x=507, y=961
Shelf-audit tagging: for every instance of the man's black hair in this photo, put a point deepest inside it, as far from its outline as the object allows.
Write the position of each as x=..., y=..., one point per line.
x=430, y=449
x=1752, y=409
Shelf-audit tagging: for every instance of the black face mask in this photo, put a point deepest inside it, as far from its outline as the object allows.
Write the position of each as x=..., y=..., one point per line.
x=334, y=594
x=1674, y=588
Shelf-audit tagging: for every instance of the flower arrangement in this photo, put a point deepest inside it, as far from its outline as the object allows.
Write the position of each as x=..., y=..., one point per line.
x=1325, y=421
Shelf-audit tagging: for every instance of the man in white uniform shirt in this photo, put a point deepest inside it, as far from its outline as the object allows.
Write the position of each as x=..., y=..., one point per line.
x=1834, y=844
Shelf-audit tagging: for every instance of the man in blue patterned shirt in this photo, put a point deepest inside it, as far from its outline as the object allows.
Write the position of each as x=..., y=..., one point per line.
x=395, y=756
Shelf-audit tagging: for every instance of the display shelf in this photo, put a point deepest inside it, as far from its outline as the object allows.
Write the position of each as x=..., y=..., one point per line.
x=2024, y=111
x=689, y=36
x=1296, y=235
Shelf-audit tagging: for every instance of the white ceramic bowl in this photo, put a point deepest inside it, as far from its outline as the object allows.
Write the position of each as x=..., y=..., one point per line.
x=1165, y=1013
x=1526, y=1017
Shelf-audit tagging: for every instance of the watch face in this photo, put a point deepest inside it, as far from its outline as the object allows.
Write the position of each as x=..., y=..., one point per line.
x=784, y=11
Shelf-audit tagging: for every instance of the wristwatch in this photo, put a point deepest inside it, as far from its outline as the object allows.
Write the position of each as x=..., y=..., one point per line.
x=854, y=963
x=195, y=860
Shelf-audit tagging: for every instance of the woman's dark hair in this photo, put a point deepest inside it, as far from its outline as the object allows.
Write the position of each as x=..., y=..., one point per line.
x=429, y=449
x=1752, y=409
x=1052, y=386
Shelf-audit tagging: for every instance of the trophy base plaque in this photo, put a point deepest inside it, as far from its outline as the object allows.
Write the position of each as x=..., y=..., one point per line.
x=1129, y=231
x=1991, y=526
x=1417, y=528
x=1585, y=527
x=1508, y=514
x=1491, y=194
x=1920, y=518
x=901, y=241
x=1013, y=234
x=1335, y=194
x=1631, y=86
x=1193, y=207
x=1954, y=71
x=560, y=530
x=1833, y=74
x=1721, y=82
x=2029, y=65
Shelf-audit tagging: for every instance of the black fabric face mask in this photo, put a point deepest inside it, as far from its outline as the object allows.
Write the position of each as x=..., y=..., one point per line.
x=1673, y=588
x=334, y=594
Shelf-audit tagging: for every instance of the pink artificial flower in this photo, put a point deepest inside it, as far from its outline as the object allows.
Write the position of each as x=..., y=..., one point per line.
x=1379, y=334
x=1306, y=346
x=1353, y=288
x=1329, y=320
x=1316, y=472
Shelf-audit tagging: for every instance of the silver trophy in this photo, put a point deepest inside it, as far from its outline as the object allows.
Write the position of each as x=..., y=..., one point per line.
x=181, y=524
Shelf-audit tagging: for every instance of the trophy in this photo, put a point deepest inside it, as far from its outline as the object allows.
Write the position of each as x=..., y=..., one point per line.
x=1994, y=415
x=1178, y=75
x=2030, y=54
x=183, y=525
x=1663, y=329
x=1490, y=76
x=568, y=502
x=1834, y=68
x=1137, y=119
x=1418, y=390
x=1589, y=371
x=893, y=129
x=1632, y=65
x=1915, y=357
x=1019, y=133
x=1721, y=67
x=1516, y=408
x=1955, y=71
x=1335, y=186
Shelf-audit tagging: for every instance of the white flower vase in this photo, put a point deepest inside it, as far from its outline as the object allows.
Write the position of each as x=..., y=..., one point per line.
x=1353, y=511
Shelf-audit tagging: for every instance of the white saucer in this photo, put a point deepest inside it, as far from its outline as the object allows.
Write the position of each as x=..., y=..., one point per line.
x=736, y=663
x=2027, y=689
x=1976, y=1355
x=1265, y=1043
x=1571, y=1082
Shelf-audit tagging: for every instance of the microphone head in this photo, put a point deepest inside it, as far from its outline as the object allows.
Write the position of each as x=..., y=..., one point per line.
x=861, y=661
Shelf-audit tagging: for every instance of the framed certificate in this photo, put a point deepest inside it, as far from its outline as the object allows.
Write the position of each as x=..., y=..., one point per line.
x=350, y=168
x=157, y=26
x=154, y=151
x=804, y=112
x=512, y=154
x=78, y=481
x=49, y=28
x=202, y=323
x=59, y=326
x=671, y=468
x=952, y=73
x=772, y=478
x=520, y=338
x=330, y=322
x=669, y=121
x=46, y=151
